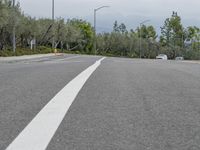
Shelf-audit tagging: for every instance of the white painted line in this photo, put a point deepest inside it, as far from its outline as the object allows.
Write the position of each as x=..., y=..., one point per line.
x=49, y=60
x=39, y=132
x=69, y=58
x=57, y=62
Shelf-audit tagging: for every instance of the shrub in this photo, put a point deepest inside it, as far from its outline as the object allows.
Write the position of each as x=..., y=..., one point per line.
x=23, y=51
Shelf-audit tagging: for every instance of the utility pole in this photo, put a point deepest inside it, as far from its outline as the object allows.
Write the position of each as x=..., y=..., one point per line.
x=95, y=42
x=53, y=18
x=140, y=38
x=13, y=36
x=140, y=32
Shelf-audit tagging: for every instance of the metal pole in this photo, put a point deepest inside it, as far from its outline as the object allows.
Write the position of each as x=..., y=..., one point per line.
x=140, y=30
x=140, y=40
x=53, y=40
x=14, y=36
x=95, y=44
x=95, y=19
x=198, y=49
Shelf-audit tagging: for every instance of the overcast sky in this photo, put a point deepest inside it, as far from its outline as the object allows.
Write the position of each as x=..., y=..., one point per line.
x=130, y=12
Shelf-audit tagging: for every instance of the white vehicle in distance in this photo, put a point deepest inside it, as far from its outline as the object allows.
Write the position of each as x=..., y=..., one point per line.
x=179, y=58
x=162, y=56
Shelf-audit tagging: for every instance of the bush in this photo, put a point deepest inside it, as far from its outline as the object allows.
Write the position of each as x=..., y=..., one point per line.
x=23, y=51
x=192, y=55
x=6, y=53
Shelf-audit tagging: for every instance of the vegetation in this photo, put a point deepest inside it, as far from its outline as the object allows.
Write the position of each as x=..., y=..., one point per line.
x=177, y=41
x=76, y=36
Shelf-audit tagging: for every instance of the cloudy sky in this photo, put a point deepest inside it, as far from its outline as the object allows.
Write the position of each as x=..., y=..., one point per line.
x=130, y=12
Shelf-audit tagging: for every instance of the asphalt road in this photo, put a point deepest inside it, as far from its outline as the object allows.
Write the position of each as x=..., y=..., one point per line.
x=126, y=104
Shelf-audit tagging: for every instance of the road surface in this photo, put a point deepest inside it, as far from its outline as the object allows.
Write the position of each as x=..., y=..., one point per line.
x=118, y=104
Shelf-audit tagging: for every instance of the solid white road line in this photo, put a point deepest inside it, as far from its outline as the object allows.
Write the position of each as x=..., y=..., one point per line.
x=57, y=60
x=39, y=132
x=68, y=58
x=61, y=60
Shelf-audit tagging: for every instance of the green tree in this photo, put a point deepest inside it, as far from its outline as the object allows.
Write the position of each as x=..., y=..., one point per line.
x=147, y=35
x=9, y=17
x=87, y=32
x=172, y=34
x=115, y=27
x=73, y=37
x=147, y=32
x=172, y=29
x=122, y=28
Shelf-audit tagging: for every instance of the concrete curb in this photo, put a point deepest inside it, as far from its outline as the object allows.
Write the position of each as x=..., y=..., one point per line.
x=192, y=61
x=26, y=57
